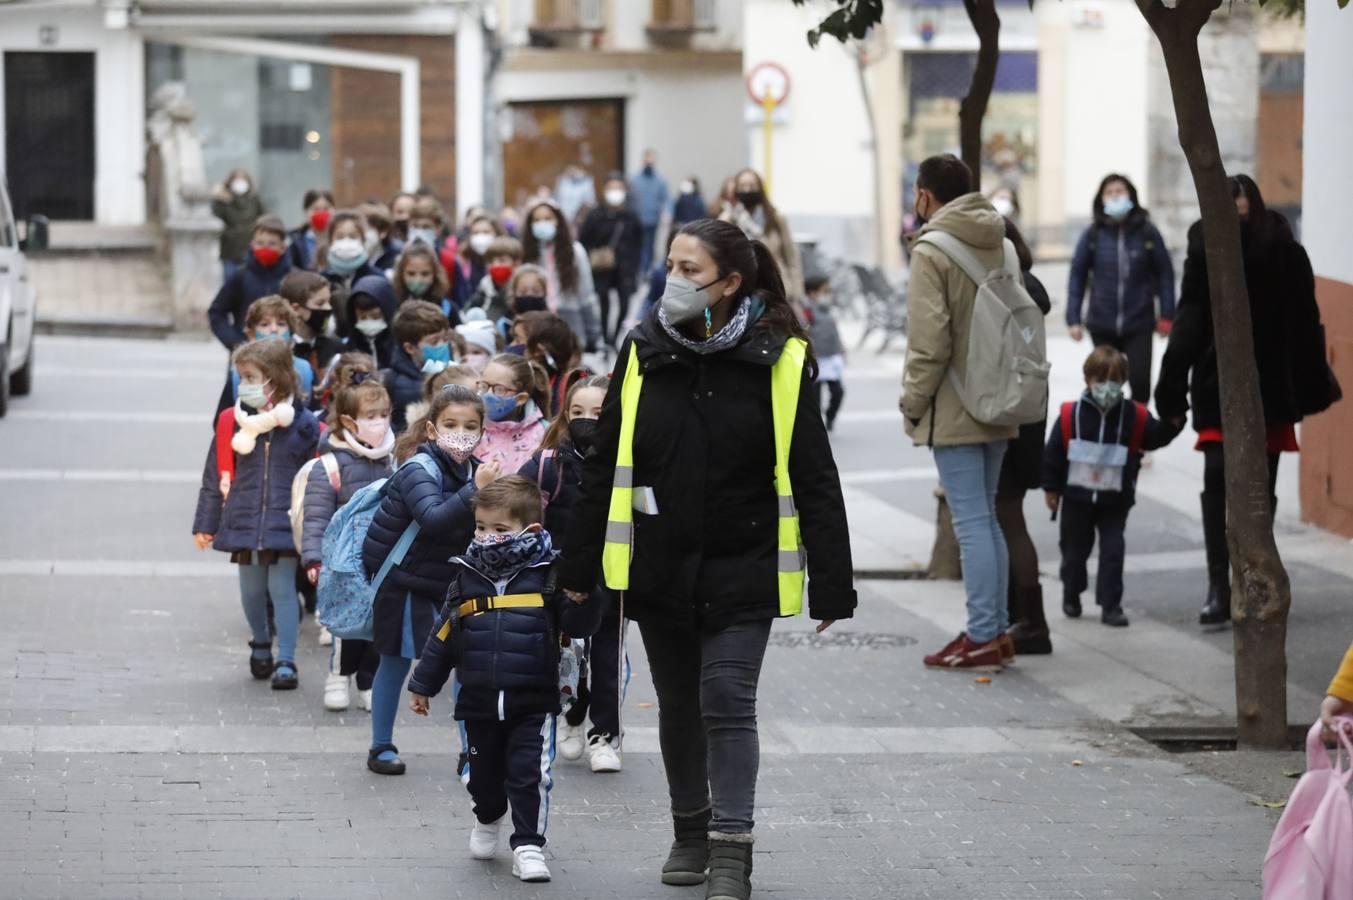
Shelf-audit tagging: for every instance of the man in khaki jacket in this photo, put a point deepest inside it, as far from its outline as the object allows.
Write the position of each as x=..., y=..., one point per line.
x=968, y=453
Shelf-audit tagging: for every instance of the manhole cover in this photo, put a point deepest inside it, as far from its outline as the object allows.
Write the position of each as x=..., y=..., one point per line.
x=846, y=640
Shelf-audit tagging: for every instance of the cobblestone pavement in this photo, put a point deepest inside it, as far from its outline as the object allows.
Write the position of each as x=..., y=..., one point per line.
x=138, y=759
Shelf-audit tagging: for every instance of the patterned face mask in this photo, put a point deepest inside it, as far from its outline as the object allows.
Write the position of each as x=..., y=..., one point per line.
x=502, y=556
x=493, y=538
x=459, y=444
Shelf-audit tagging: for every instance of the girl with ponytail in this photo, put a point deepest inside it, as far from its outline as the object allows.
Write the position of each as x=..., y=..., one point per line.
x=703, y=576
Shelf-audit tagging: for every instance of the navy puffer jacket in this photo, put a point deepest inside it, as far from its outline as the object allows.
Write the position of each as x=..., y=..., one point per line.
x=442, y=508
x=256, y=515
x=561, y=481
x=231, y=304
x=1127, y=268
x=322, y=501
x=404, y=380
x=507, y=660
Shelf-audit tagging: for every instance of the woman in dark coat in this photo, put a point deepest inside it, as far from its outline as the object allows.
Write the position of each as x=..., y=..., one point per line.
x=1289, y=353
x=703, y=580
x=1020, y=473
x=611, y=235
x=1122, y=260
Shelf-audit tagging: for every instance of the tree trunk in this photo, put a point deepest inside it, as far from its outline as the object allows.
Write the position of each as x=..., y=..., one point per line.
x=1262, y=594
x=987, y=24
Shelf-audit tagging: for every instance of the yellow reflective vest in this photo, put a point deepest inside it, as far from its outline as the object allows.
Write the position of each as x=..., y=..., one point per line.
x=785, y=381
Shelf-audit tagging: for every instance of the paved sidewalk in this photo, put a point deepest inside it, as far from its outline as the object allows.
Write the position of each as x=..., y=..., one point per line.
x=137, y=758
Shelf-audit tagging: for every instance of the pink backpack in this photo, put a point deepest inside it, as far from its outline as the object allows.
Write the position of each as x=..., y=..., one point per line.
x=1311, y=854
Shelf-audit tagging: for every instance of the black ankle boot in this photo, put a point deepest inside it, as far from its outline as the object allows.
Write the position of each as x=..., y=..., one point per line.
x=260, y=666
x=689, y=856
x=730, y=867
x=1217, y=609
x=1030, y=633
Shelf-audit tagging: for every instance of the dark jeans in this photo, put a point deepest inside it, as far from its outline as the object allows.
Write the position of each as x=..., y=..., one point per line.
x=1138, y=349
x=706, y=686
x=605, y=282
x=510, y=761
x=355, y=658
x=602, y=691
x=836, y=392
x=648, y=235
x=1081, y=519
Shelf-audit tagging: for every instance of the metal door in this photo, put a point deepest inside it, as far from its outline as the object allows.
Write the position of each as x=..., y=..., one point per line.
x=49, y=134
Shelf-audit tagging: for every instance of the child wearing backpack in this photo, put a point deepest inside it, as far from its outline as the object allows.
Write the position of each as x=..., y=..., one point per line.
x=274, y=435
x=1090, y=468
x=557, y=468
x=501, y=630
x=432, y=489
x=359, y=450
x=827, y=344
x=515, y=401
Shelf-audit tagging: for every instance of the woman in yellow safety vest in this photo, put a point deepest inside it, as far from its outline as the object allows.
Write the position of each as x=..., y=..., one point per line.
x=709, y=491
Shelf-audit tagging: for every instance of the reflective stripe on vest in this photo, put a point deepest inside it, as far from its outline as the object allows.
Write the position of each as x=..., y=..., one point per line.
x=786, y=380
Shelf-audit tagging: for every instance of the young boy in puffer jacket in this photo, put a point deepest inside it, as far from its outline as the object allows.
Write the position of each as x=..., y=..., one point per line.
x=501, y=630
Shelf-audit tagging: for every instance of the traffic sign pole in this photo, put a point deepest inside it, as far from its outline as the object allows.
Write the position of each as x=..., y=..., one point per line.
x=768, y=104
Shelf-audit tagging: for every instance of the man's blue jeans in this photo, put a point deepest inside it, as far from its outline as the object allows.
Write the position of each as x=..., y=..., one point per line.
x=969, y=474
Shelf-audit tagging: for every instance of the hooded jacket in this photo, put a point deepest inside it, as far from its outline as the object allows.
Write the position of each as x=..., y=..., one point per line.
x=231, y=303
x=704, y=442
x=378, y=288
x=940, y=300
x=1127, y=268
x=510, y=443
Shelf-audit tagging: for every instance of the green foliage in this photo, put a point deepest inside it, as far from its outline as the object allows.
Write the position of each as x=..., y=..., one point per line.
x=1287, y=9
x=852, y=19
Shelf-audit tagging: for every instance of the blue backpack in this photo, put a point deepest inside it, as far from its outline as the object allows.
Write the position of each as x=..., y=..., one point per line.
x=346, y=597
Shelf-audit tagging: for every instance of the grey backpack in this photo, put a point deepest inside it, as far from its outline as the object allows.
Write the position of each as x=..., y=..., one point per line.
x=1006, y=372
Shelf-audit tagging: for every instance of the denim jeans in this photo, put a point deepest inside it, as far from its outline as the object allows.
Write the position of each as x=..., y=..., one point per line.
x=970, y=474
x=706, y=686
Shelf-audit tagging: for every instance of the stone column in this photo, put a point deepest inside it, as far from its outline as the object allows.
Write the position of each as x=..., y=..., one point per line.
x=194, y=268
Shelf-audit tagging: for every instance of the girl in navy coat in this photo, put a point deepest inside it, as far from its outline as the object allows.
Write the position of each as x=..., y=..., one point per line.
x=250, y=518
x=433, y=486
x=558, y=469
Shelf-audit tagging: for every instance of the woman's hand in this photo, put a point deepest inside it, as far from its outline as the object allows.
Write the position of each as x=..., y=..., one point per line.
x=487, y=474
x=576, y=596
x=202, y=540
x=1077, y=332
x=418, y=704
x=825, y=624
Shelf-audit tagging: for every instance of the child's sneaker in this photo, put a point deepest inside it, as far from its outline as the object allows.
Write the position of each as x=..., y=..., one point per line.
x=326, y=638
x=601, y=753
x=484, y=838
x=528, y=864
x=336, y=696
x=573, y=741
x=364, y=700
x=963, y=653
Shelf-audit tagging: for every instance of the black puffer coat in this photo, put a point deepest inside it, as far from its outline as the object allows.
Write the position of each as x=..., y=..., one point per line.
x=321, y=501
x=507, y=660
x=1285, y=323
x=561, y=481
x=704, y=442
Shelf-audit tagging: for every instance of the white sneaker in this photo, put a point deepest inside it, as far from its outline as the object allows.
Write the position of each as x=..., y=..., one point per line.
x=573, y=742
x=528, y=864
x=603, y=756
x=364, y=700
x=326, y=639
x=484, y=839
x=336, y=697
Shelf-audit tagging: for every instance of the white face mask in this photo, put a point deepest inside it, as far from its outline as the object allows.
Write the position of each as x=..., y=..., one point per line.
x=688, y=187
x=481, y=242
x=371, y=327
x=426, y=235
x=615, y=197
x=239, y=187
x=1003, y=206
x=544, y=231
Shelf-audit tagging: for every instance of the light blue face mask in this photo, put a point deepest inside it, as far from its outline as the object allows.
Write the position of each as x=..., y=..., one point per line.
x=436, y=358
x=497, y=408
x=424, y=235
x=1118, y=207
x=544, y=231
x=283, y=335
x=1107, y=394
x=254, y=395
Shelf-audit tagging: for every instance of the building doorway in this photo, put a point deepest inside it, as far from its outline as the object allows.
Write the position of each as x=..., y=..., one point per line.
x=548, y=136
x=49, y=134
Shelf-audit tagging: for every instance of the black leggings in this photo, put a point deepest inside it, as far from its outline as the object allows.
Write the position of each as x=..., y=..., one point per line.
x=1023, y=554
x=1214, y=471
x=836, y=392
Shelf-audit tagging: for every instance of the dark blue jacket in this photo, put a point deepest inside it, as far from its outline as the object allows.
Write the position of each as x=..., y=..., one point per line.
x=507, y=660
x=300, y=249
x=404, y=380
x=256, y=515
x=378, y=288
x=443, y=512
x=1127, y=268
x=231, y=304
x=1156, y=435
x=561, y=481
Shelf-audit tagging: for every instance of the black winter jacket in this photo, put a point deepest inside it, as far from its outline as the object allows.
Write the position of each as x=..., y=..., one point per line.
x=321, y=501
x=382, y=347
x=256, y=514
x=1285, y=324
x=404, y=380
x=704, y=442
x=1127, y=268
x=1022, y=468
x=606, y=226
x=1157, y=435
x=231, y=304
x=561, y=481
x=507, y=660
x=443, y=512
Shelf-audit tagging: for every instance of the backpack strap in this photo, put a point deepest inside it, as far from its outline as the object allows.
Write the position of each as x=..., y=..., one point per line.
x=1140, y=418
x=553, y=495
x=1068, y=410
x=330, y=463
x=966, y=260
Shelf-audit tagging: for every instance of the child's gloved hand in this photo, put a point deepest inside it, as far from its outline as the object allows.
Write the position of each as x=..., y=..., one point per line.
x=202, y=540
x=418, y=703
x=487, y=474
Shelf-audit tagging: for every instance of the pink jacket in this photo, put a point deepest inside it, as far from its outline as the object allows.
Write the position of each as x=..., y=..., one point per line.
x=510, y=444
